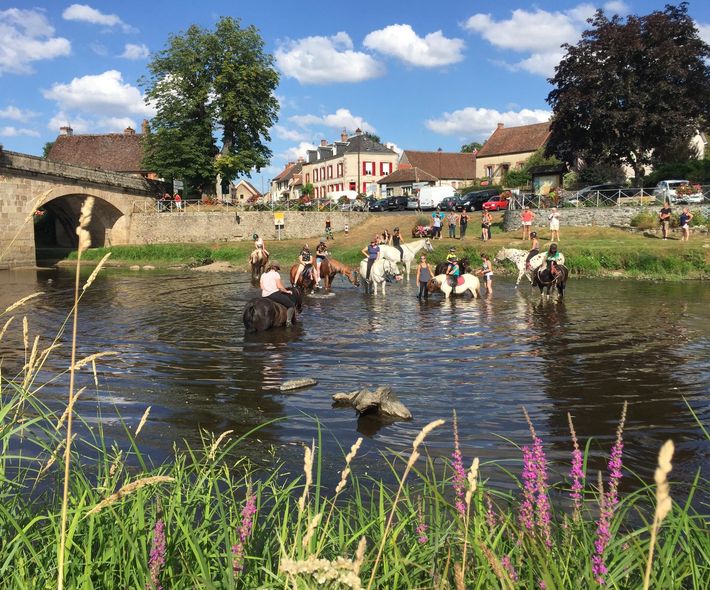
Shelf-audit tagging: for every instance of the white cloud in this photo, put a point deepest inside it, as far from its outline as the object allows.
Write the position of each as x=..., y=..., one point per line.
x=27, y=36
x=293, y=153
x=103, y=94
x=87, y=14
x=478, y=123
x=704, y=31
x=289, y=134
x=326, y=60
x=402, y=42
x=133, y=51
x=15, y=114
x=394, y=147
x=78, y=123
x=341, y=119
x=615, y=7
x=15, y=131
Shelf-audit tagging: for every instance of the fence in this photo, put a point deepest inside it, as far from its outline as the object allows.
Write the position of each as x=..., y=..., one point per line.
x=200, y=206
x=624, y=197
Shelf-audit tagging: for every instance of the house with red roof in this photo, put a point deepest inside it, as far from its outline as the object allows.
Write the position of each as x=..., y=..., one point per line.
x=456, y=169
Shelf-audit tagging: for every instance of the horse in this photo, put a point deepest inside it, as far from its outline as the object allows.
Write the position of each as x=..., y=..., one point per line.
x=257, y=261
x=261, y=313
x=409, y=249
x=307, y=281
x=466, y=282
x=331, y=267
x=442, y=267
x=381, y=270
x=545, y=279
x=518, y=258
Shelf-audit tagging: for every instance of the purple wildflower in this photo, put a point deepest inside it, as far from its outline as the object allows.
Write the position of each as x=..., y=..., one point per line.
x=157, y=555
x=615, y=462
x=459, y=472
x=245, y=528
x=491, y=519
x=542, y=585
x=421, y=525
x=506, y=563
x=529, y=485
x=535, y=488
x=576, y=472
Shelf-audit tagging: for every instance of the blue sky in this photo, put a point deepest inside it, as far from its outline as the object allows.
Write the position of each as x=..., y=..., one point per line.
x=422, y=75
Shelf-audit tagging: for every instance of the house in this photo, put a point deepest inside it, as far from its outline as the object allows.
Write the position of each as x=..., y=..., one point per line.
x=405, y=181
x=455, y=169
x=244, y=192
x=288, y=183
x=508, y=147
x=118, y=152
x=355, y=163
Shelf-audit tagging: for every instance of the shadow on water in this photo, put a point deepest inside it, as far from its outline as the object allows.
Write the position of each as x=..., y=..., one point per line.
x=182, y=350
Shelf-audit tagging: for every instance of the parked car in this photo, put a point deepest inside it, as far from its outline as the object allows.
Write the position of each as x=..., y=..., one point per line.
x=396, y=203
x=363, y=205
x=380, y=205
x=474, y=200
x=667, y=190
x=449, y=203
x=413, y=203
x=496, y=203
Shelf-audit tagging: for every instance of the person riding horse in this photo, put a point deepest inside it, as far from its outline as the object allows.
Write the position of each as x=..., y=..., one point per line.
x=397, y=242
x=259, y=247
x=553, y=259
x=534, y=249
x=272, y=288
x=305, y=260
x=453, y=271
x=321, y=253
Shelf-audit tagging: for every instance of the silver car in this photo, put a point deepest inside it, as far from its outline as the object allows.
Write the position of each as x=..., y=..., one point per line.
x=666, y=190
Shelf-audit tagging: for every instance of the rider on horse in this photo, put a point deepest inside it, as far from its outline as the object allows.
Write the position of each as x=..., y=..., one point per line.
x=272, y=288
x=454, y=271
x=304, y=261
x=321, y=253
x=397, y=242
x=553, y=259
x=259, y=248
x=534, y=249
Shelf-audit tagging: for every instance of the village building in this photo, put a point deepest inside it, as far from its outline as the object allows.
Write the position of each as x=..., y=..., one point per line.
x=456, y=169
x=117, y=152
x=243, y=192
x=288, y=183
x=405, y=181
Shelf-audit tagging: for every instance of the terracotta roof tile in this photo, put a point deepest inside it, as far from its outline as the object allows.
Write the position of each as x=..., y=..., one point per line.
x=514, y=140
x=408, y=175
x=444, y=165
x=119, y=152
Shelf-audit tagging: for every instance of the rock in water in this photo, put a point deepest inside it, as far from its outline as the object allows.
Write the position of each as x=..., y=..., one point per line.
x=297, y=384
x=381, y=401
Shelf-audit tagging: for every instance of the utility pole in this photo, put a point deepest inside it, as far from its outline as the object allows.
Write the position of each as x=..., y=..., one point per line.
x=358, y=131
x=439, y=151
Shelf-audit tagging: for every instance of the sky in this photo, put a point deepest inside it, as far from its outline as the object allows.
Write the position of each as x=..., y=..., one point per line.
x=422, y=75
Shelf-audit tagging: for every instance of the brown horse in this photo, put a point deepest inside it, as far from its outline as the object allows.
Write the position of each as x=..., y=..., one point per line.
x=328, y=269
x=307, y=280
x=258, y=261
x=261, y=313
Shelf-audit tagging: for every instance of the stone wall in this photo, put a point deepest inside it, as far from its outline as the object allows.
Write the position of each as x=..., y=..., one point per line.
x=230, y=226
x=577, y=216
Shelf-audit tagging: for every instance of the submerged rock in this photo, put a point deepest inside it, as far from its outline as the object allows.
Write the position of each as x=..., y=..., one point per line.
x=380, y=401
x=297, y=384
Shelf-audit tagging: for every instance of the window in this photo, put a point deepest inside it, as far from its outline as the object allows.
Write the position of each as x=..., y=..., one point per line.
x=340, y=170
x=385, y=168
x=330, y=171
x=353, y=186
x=315, y=175
x=308, y=177
x=489, y=171
x=368, y=168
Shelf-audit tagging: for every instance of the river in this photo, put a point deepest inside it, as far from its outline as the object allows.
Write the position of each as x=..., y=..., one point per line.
x=182, y=350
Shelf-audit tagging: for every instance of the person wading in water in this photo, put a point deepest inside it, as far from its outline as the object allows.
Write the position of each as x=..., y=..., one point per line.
x=373, y=254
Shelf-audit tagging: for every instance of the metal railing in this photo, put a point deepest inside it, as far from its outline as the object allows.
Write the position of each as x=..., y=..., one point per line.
x=202, y=205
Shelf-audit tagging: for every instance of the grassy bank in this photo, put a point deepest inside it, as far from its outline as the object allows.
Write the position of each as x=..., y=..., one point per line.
x=589, y=251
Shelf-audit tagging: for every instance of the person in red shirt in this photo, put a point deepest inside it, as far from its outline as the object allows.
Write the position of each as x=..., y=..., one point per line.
x=527, y=218
x=178, y=201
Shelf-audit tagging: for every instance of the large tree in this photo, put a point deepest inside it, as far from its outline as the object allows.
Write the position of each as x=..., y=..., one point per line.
x=629, y=87
x=215, y=101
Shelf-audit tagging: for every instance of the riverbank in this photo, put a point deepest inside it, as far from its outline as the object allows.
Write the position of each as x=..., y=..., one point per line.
x=589, y=251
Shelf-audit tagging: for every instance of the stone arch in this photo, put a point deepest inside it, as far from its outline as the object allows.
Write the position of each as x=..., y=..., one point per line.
x=63, y=212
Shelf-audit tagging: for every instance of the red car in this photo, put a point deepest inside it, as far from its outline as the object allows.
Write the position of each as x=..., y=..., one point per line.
x=496, y=204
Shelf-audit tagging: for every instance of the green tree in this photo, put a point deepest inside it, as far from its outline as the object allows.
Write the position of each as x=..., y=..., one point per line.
x=372, y=136
x=47, y=148
x=522, y=176
x=468, y=148
x=307, y=189
x=630, y=87
x=210, y=86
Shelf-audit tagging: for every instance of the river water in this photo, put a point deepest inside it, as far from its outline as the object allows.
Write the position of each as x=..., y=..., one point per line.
x=183, y=351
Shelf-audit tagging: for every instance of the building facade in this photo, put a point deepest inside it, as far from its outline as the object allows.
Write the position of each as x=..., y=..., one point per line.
x=456, y=169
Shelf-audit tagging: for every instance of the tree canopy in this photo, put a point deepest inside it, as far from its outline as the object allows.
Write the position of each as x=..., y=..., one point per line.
x=469, y=148
x=630, y=87
x=522, y=176
x=210, y=86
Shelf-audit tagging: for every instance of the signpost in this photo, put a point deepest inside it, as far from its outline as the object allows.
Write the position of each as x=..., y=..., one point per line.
x=279, y=222
x=178, y=185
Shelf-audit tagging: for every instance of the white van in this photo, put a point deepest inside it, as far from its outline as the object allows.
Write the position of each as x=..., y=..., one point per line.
x=431, y=196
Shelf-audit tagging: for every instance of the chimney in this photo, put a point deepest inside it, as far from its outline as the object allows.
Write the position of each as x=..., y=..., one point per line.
x=66, y=130
x=129, y=131
x=144, y=127
x=344, y=136
x=501, y=125
x=323, y=142
x=301, y=159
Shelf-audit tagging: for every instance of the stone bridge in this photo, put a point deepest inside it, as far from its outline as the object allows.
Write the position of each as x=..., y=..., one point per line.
x=29, y=184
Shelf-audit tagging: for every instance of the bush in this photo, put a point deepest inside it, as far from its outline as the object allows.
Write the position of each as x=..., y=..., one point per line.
x=644, y=220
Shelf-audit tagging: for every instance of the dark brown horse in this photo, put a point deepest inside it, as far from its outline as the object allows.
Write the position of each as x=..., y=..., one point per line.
x=261, y=313
x=328, y=269
x=442, y=267
x=258, y=261
x=544, y=278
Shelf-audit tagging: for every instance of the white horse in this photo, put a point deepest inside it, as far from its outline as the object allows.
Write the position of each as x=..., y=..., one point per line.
x=470, y=283
x=379, y=273
x=409, y=249
x=518, y=257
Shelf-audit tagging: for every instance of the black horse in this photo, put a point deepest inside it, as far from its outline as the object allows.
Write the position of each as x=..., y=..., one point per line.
x=442, y=267
x=544, y=278
x=261, y=313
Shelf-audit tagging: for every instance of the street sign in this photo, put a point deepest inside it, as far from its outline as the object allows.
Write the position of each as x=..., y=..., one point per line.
x=278, y=218
x=178, y=185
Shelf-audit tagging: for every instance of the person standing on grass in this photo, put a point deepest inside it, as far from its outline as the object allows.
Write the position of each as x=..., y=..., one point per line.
x=685, y=218
x=486, y=220
x=328, y=229
x=436, y=224
x=554, y=218
x=527, y=218
x=664, y=217
x=452, y=221
x=463, y=224
x=424, y=275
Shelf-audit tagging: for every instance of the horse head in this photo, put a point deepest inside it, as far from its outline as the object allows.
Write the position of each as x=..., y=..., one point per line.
x=432, y=285
x=353, y=276
x=427, y=245
x=298, y=296
x=501, y=255
x=390, y=268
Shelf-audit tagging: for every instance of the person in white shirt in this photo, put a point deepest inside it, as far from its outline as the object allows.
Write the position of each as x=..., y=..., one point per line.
x=272, y=288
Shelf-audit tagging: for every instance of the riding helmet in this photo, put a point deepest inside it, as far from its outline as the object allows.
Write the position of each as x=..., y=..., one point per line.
x=254, y=237
x=533, y=234
x=553, y=248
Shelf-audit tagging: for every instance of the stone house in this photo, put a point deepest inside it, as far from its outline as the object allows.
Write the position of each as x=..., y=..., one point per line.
x=244, y=192
x=455, y=169
x=507, y=149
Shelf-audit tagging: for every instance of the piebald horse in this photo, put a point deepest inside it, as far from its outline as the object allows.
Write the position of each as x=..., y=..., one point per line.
x=544, y=279
x=381, y=270
x=409, y=250
x=261, y=313
x=466, y=282
x=328, y=269
x=257, y=261
x=518, y=257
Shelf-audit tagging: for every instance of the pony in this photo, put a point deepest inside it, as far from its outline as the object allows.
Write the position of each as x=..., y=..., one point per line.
x=381, y=270
x=261, y=313
x=544, y=278
x=442, y=267
x=307, y=281
x=410, y=251
x=257, y=262
x=518, y=257
x=328, y=269
x=466, y=282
